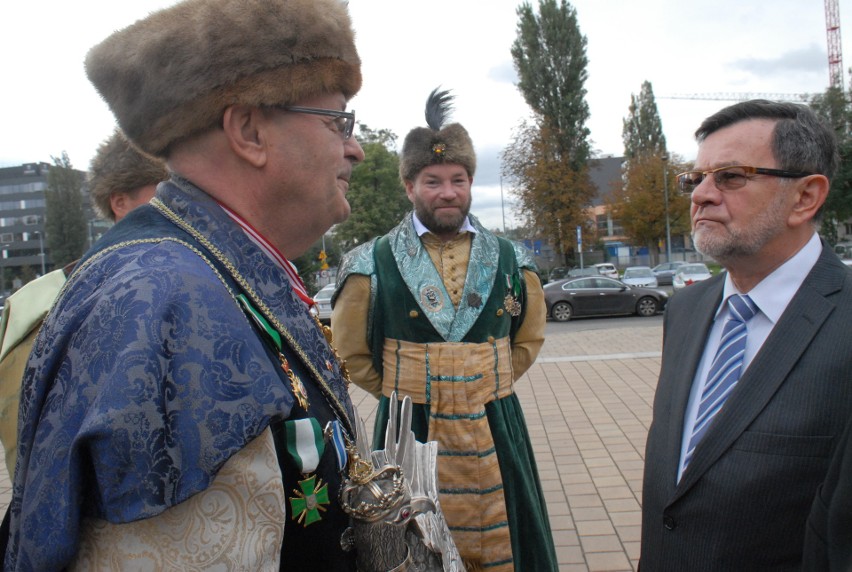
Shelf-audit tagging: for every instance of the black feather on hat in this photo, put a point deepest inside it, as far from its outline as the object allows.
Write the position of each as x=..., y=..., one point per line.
x=436, y=144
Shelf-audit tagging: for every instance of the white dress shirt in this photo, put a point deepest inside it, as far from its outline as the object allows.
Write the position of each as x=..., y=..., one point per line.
x=771, y=295
x=421, y=229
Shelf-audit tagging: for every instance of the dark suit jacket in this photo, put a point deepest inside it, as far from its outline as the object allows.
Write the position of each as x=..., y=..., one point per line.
x=828, y=538
x=743, y=501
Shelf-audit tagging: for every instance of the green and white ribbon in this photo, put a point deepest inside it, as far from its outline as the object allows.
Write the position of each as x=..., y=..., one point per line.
x=305, y=443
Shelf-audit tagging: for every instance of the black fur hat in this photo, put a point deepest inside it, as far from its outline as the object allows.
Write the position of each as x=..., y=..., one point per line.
x=436, y=144
x=172, y=74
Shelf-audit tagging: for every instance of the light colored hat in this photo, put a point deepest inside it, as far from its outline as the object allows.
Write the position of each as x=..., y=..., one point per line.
x=118, y=167
x=172, y=74
x=436, y=144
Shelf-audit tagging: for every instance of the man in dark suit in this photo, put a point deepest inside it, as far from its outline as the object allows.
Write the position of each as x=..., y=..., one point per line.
x=828, y=538
x=739, y=443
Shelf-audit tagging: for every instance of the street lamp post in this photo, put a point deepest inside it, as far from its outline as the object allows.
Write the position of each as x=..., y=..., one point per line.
x=665, y=159
x=41, y=248
x=3, y=248
x=502, y=205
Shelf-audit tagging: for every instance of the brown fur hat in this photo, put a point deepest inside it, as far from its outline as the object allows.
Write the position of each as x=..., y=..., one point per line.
x=424, y=146
x=172, y=74
x=120, y=167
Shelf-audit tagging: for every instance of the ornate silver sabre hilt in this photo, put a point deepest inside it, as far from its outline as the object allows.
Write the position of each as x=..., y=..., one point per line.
x=392, y=496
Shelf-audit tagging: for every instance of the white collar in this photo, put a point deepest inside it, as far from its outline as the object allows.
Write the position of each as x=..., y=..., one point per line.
x=773, y=293
x=421, y=230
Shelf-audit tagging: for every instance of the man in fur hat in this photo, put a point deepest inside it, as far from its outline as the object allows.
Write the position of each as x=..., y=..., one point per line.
x=120, y=179
x=178, y=401
x=444, y=311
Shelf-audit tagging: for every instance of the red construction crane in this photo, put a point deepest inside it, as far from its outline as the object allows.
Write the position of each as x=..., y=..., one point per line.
x=835, y=52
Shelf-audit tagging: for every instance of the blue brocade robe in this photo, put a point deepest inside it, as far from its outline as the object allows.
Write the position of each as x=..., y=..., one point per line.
x=147, y=376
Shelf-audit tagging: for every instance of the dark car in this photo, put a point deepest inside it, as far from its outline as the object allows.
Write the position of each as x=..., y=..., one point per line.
x=600, y=296
x=558, y=273
x=562, y=272
x=666, y=271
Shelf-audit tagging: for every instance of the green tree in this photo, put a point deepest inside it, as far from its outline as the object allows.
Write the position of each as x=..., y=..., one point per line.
x=638, y=203
x=547, y=161
x=553, y=196
x=643, y=129
x=648, y=179
x=376, y=195
x=835, y=107
x=65, y=221
x=549, y=55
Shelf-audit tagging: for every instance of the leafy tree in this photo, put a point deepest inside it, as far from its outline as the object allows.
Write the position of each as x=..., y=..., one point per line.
x=549, y=54
x=643, y=130
x=65, y=222
x=835, y=107
x=376, y=195
x=547, y=162
x=553, y=196
x=639, y=203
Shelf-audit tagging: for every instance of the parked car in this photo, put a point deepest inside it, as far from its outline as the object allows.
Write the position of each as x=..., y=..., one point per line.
x=607, y=269
x=558, y=273
x=690, y=274
x=600, y=296
x=641, y=276
x=322, y=300
x=666, y=271
x=586, y=271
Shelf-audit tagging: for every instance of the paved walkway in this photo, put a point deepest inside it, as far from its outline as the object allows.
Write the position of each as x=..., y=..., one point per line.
x=587, y=402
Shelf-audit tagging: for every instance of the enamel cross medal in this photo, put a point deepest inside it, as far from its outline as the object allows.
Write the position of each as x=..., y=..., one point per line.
x=306, y=445
x=513, y=287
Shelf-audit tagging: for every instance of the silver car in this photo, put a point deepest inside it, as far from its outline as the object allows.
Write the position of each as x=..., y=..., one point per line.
x=665, y=272
x=690, y=274
x=607, y=269
x=641, y=276
x=322, y=303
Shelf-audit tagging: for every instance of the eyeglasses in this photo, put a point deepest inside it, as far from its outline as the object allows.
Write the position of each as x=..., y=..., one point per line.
x=344, y=120
x=730, y=178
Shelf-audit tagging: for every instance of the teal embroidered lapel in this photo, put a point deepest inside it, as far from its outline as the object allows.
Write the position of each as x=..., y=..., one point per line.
x=425, y=284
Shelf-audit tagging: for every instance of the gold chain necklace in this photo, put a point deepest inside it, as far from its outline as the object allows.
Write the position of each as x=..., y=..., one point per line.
x=243, y=283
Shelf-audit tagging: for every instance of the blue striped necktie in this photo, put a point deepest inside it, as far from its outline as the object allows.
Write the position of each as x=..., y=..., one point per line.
x=725, y=369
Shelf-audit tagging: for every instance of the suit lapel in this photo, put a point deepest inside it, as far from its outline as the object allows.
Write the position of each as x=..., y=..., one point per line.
x=790, y=338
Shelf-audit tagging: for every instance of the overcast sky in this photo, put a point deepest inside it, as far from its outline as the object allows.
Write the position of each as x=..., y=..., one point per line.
x=409, y=47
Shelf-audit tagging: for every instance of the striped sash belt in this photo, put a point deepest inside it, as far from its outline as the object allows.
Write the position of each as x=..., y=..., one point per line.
x=456, y=380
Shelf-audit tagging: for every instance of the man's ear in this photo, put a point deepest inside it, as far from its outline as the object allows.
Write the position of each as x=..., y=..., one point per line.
x=244, y=128
x=811, y=195
x=118, y=204
x=409, y=190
